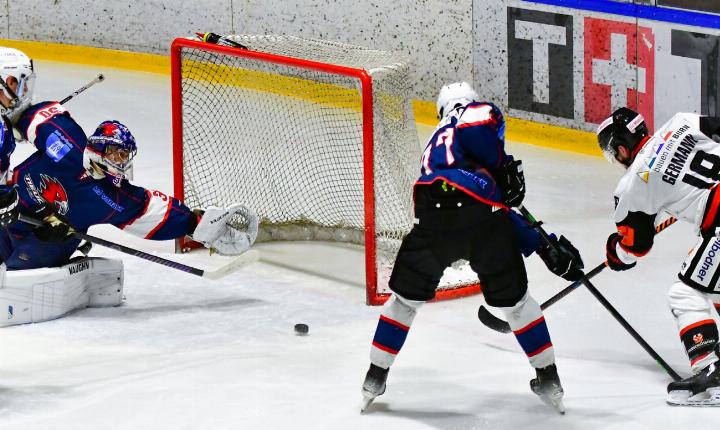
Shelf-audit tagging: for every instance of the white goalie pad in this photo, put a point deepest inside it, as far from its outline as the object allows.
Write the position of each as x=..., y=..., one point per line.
x=37, y=295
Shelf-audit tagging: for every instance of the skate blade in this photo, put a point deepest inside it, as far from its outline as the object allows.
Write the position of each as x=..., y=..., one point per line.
x=709, y=398
x=367, y=401
x=554, y=401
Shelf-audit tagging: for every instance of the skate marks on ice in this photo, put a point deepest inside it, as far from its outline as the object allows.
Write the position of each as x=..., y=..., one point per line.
x=162, y=310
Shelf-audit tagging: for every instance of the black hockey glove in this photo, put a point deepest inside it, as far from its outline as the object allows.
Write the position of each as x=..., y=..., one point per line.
x=9, y=210
x=54, y=227
x=513, y=183
x=563, y=259
x=613, y=261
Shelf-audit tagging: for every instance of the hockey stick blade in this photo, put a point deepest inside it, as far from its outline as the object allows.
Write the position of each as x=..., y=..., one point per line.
x=491, y=321
x=242, y=260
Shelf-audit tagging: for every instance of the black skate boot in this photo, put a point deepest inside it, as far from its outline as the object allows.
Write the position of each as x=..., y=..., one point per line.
x=547, y=386
x=701, y=389
x=374, y=385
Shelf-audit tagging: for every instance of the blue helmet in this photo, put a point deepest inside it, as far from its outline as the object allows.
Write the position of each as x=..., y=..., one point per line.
x=111, y=148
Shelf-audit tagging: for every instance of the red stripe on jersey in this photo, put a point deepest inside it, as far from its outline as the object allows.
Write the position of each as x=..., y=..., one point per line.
x=384, y=348
x=395, y=323
x=712, y=209
x=140, y=215
x=529, y=326
x=667, y=135
x=697, y=324
x=473, y=124
x=161, y=223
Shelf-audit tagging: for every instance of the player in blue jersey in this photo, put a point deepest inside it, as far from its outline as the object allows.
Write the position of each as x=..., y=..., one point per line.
x=74, y=182
x=81, y=182
x=462, y=208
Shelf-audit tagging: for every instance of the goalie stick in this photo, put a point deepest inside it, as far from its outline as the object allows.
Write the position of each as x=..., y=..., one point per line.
x=606, y=304
x=242, y=260
x=499, y=325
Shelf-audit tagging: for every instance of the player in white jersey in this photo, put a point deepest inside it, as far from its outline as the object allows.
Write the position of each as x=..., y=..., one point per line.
x=675, y=171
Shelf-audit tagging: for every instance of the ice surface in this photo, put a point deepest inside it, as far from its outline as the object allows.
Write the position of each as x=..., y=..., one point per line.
x=188, y=353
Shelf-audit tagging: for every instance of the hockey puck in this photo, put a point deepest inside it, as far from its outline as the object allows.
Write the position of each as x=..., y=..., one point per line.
x=301, y=329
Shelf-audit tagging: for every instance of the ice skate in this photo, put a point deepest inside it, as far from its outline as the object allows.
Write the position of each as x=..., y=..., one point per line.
x=547, y=386
x=701, y=389
x=374, y=385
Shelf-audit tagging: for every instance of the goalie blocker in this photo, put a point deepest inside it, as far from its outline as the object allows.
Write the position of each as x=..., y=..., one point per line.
x=36, y=295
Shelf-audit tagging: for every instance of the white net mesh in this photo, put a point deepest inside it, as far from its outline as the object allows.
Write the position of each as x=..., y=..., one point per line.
x=288, y=141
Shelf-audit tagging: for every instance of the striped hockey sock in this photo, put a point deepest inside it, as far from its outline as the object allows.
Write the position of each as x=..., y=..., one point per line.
x=392, y=329
x=528, y=325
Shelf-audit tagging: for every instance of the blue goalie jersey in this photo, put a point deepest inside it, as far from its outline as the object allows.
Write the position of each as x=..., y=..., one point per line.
x=55, y=175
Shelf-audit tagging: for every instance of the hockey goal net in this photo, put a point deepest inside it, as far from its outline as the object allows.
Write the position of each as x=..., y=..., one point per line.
x=318, y=137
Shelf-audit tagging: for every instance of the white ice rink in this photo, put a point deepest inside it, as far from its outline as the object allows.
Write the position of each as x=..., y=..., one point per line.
x=187, y=353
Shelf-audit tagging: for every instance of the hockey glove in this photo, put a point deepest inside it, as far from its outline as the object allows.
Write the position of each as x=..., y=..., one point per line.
x=613, y=260
x=9, y=210
x=513, y=183
x=215, y=233
x=54, y=227
x=563, y=259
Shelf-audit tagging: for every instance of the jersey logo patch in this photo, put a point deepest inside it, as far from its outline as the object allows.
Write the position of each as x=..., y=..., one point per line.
x=53, y=192
x=57, y=146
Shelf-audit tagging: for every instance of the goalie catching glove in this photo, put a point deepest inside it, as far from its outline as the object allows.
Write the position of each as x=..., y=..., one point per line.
x=562, y=258
x=215, y=233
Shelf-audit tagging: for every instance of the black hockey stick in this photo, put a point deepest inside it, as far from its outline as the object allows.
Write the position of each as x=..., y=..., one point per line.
x=98, y=78
x=619, y=318
x=497, y=324
x=240, y=261
x=216, y=39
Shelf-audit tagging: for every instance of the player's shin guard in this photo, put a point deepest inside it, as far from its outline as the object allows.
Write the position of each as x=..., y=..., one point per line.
x=392, y=329
x=698, y=330
x=528, y=324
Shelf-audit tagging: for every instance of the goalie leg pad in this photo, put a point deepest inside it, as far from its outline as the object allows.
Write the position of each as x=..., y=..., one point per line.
x=392, y=329
x=693, y=314
x=37, y=295
x=528, y=324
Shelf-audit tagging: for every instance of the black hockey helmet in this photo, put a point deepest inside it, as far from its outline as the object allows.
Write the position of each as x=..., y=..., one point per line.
x=625, y=127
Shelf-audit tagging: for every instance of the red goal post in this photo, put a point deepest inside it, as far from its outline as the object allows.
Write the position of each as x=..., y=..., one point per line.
x=221, y=98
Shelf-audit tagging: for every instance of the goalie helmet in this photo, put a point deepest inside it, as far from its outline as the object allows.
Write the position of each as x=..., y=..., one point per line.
x=110, y=151
x=18, y=82
x=624, y=128
x=452, y=95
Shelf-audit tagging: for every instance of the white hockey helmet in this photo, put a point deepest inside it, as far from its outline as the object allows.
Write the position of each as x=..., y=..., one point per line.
x=16, y=64
x=451, y=95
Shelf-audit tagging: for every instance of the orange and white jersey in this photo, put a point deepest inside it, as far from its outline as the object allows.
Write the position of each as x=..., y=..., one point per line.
x=675, y=172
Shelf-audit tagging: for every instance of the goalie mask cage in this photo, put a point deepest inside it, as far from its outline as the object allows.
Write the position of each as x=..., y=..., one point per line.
x=318, y=137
